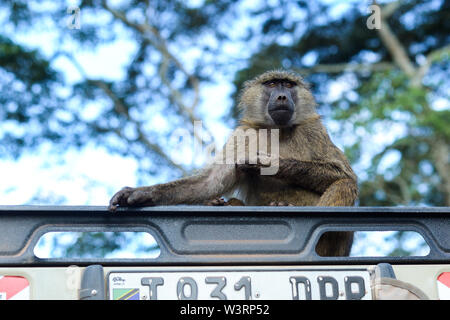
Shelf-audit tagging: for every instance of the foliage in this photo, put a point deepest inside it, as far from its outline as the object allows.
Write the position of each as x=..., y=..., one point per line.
x=51, y=105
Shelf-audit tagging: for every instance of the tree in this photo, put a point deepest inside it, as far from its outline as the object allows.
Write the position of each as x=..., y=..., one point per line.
x=49, y=107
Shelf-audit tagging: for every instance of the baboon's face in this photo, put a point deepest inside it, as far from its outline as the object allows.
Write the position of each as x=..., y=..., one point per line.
x=279, y=99
x=276, y=99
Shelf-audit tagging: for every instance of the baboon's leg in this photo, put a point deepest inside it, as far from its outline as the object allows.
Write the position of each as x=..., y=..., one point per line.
x=335, y=244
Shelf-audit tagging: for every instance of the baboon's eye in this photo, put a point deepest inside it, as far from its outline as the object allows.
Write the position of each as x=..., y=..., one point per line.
x=288, y=84
x=271, y=84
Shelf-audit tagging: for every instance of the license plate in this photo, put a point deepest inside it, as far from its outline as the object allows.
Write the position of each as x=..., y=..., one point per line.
x=255, y=283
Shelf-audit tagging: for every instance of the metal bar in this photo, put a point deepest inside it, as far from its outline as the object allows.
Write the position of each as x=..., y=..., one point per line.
x=199, y=235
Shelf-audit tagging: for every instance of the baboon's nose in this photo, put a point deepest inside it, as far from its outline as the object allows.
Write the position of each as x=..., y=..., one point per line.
x=281, y=97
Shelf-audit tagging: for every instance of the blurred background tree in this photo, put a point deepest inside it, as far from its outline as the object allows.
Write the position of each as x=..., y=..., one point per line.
x=383, y=93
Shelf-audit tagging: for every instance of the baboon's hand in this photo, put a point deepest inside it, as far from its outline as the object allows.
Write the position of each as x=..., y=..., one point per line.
x=216, y=202
x=262, y=161
x=131, y=197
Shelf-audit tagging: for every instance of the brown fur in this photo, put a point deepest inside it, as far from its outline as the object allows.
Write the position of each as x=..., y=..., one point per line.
x=312, y=170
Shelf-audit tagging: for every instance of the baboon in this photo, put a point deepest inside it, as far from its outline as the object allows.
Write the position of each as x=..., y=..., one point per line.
x=310, y=169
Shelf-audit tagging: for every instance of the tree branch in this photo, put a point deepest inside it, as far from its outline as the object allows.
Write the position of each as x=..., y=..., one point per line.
x=346, y=67
x=389, y=8
x=161, y=45
x=441, y=155
x=176, y=97
x=432, y=57
x=121, y=109
x=153, y=36
x=395, y=48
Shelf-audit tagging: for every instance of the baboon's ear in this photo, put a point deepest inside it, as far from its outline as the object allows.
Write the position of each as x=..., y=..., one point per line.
x=309, y=85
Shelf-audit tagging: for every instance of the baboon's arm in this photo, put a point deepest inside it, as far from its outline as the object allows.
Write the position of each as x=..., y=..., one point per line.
x=335, y=181
x=210, y=183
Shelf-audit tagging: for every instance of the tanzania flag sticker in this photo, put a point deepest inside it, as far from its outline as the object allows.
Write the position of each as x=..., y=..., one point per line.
x=14, y=288
x=443, y=285
x=125, y=294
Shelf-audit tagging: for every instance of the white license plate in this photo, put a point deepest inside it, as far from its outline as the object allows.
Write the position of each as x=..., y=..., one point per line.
x=240, y=283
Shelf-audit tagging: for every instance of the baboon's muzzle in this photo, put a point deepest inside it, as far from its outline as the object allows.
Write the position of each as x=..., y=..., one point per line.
x=281, y=107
